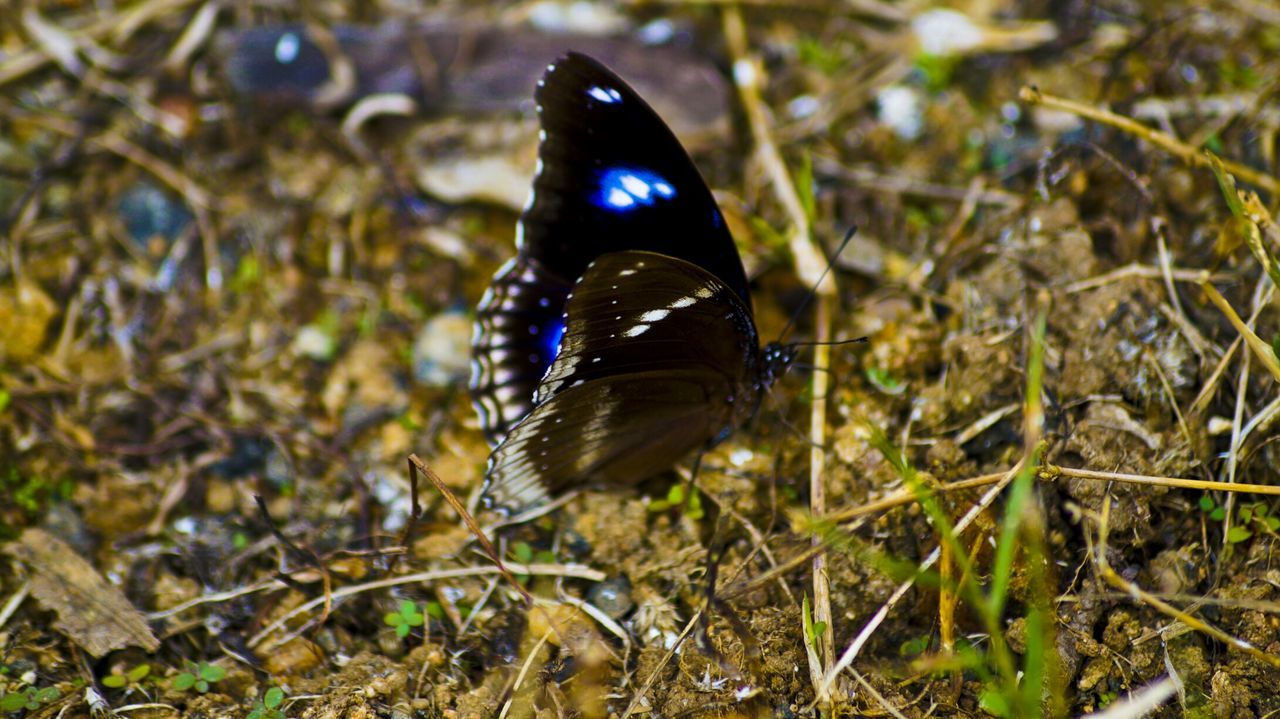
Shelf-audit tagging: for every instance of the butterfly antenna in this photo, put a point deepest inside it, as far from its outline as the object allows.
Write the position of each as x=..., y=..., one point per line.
x=831, y=261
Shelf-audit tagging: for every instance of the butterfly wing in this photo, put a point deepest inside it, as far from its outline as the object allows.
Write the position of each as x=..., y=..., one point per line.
x=611, y=177
x=659, y=357
x=518, y=327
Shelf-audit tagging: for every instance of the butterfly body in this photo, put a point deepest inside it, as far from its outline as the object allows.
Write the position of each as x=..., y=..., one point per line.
x=621, y=336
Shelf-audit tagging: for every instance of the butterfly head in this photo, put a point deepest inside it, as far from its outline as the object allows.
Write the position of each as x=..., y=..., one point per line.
x=776, y=358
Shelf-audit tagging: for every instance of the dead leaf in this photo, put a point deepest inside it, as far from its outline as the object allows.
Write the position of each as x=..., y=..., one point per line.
x=92, y=612
x=25, y=313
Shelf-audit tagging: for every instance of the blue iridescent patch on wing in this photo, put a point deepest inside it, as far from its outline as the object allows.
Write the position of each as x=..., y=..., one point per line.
x=623, y=189
x=607, y=95
x=552, y=336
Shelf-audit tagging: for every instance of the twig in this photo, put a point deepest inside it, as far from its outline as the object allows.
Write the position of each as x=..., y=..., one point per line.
x=1205, y=396
x=880, y=698
x=550, y=570
x=638, y=697
x=417, y=464
x=1109, y=575
x=1137, y=270
x=306, y=556
x=1049, y=471
x=1189, y=154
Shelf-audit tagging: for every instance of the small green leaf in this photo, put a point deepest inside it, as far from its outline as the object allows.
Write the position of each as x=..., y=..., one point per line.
x=1273, y=523
x=884, y=382
x=139, y=672
x=1246, y=514
x=202, y=686
x=184, y=681
x=5, y=398
x=523, y=552
x=1206, y=503
x=694, y=509
x=675, y=495
x=434, y=610
x=13, y=702
x=993, y=702
x=212, y=672
x=273, y=697
x=114, y=681
x=402, y=630
x=393, y=619
x=1238, y=534
x=46, y=695
x=1218, y=514
x=913, y=647
x=819, y=628
x=255, y=714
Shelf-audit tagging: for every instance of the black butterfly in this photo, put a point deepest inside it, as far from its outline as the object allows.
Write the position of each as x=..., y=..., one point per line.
x=620, y=337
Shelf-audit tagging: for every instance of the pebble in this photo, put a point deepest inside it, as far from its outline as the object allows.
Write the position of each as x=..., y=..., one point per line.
x=152, y=217
x=442, y=351
x=613, y=596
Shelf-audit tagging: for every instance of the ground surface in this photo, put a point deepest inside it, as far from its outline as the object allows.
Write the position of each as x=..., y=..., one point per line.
x=204, y=298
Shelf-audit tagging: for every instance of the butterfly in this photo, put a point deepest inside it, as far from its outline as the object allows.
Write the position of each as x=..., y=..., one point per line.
x=620, y=337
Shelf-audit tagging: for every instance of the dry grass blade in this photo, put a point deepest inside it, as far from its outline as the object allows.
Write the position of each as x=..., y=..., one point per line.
x=1110, y=576
x=1261, y=349
x=855, y=646
x=476, y=531
x=817, y=490
x=1139, y=703
x=748, y=74
x=1191, y=155
x=535, y=569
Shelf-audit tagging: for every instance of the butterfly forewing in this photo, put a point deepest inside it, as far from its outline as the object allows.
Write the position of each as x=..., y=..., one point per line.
x=658, y=358
x=611, y=177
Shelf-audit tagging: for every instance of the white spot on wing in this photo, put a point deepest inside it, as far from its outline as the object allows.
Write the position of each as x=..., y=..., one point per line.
x=636, y=331
x=607, y=95
x=619, y=198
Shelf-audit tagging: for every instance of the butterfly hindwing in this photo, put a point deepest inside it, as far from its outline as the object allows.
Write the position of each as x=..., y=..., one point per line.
x=658, y=358
x=519, y=323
